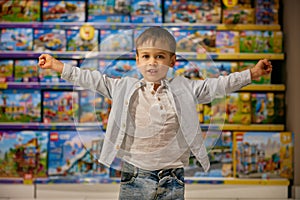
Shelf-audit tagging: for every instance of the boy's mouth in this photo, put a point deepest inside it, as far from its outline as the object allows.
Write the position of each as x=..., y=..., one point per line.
x=152, y=71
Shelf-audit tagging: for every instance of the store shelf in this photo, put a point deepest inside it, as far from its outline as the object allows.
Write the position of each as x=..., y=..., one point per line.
x=50, y=126
x=196, y=26
x=269, y=87
x=253, y=127
x=131, y=55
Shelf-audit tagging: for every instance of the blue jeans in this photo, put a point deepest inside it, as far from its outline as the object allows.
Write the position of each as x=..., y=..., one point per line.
x=139, y=184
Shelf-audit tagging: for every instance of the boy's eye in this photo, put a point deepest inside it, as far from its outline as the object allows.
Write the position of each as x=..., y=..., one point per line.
x=160, y=57
x=145, y=56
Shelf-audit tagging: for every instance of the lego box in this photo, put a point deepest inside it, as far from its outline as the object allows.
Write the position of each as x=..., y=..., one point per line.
x=22, y=153
x=109, y=11
x=16, y=39
x=20, y=106
x=6, y=69
x=63, y=11
x=263, y=154
x=72, y=155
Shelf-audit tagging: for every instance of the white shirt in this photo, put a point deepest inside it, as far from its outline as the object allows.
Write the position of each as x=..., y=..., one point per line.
x=156, y=127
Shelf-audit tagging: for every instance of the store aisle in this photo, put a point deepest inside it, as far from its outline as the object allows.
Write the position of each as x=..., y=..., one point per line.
x=110, y=192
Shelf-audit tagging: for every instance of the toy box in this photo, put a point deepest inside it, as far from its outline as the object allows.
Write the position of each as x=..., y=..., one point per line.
x=119, y=68
x=266, y=16
x=20, y=105
x=26, y=71
x=226, y=67
x=49, y=40
x=73, y=154
x=188, y=69
x=93, y=107
x=63, y=11
x=47, y=76
x=263, y=108
x=116, y=40
x=20, y=11
x=261, y=41
x=268, y=4
x=16, y=39
x=238, y=16
x=199, y=41
x=146, y=11
x=191, y=11
x=60, y=106
x=263, y=154
x=238, y=108
x=220, y=155
x=227, y=42
x=84, y=39
x=22, y=153
x=109, y=11
x=6, y=69
x=243, y=65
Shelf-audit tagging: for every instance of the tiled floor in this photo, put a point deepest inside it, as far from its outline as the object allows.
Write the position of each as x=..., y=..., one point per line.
x=110, y=192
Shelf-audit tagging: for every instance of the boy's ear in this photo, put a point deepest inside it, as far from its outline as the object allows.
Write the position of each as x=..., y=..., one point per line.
x=173, y=60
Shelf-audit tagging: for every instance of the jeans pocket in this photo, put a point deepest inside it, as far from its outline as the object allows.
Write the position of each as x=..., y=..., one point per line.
x=127, y=177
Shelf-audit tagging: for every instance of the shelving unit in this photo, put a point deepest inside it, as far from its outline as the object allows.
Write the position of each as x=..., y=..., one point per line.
x=131, y=55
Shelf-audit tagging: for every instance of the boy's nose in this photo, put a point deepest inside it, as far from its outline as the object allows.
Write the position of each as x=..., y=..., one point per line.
x=152, y=62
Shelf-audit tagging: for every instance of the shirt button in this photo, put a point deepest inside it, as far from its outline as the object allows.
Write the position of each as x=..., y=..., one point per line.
x=161, y=107
x=152, y=92
x=118, y=147
x=158, y=98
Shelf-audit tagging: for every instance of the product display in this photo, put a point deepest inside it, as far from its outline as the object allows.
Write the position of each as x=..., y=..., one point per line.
x=52, y=145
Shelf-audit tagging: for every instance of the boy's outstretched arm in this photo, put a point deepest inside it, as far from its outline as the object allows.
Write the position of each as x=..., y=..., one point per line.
x=46, y=61
x=263, y=67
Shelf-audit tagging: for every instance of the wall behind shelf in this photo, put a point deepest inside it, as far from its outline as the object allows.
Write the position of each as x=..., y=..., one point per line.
x=291, y=28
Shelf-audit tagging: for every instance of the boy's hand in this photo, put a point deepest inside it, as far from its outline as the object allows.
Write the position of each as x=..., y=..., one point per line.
x=263, y=67
x=48, y=62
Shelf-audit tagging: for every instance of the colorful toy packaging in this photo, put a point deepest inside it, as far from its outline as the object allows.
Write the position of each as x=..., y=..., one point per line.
x=263, y=154
x=109, y=11
x=6, y=71
x=60, y=106
x=26, y=71
x=22, y=153
x=191, y=11
x=261, y=41
x=226, y=67
x=200, y=41
x=240, y=13
x=20, y=11
x=238, y=108
x=84, y=39
x=262, y=107
x=267, y=11
x=73, y=154
x=116, y=40
x=16, y=39
x=220, y=156
x=146, y=11
x=20, y=106
x=227, y=42
x=63, y=11
x=119, y=68
x=49, y=40
x=93, y=107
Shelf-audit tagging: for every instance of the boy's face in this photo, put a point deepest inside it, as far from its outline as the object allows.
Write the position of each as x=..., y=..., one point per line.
x=154, y=63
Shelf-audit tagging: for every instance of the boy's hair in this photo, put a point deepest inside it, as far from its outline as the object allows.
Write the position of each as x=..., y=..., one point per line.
x=156, y=36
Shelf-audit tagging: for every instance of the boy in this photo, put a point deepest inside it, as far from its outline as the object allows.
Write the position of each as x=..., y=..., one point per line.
x=153, y=124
